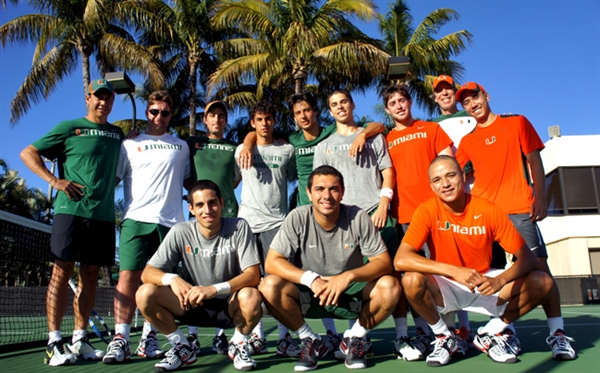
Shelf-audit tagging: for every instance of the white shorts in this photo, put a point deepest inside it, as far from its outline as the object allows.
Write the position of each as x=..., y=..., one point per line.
x=458, y=297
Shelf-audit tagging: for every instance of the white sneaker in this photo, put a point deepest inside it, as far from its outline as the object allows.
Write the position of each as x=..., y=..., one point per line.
x=119, y=350
x=561, y=348
x=404, y=349
x=177, y=356
x=287, y=346
x=238, y=352
x=148, y=347
x=257, y=345
x=495, y=347
x=84, y=349
x=512, y=340
x=444, y=346
x=58, y=354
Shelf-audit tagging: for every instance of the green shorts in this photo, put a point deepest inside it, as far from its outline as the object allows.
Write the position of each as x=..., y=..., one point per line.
x=389, y=235
x=138, y=242
x=349, y=303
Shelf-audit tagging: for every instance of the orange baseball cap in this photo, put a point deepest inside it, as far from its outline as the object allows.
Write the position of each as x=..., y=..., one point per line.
x=443, y=78
x=470, y=86
x=214, y=104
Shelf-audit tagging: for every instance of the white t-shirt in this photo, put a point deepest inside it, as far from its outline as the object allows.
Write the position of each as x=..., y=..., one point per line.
x=456, y=125
x=153, y=169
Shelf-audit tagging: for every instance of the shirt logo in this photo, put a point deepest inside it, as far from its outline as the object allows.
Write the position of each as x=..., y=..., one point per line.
x=470, y=231
x=189, y=250
x=312, y=246
x=92, y=132
x=477, y=216
x=412, y=136
x=490, y=141
x=349, y=246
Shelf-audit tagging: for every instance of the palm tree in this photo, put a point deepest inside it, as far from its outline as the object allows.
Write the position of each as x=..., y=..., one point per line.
x=17, y=199
x=291, y=42
x=67, y=30
x=429, y=57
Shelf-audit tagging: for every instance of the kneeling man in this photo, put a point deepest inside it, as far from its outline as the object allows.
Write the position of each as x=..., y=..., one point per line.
x=220, y=266
x=317, y=270
x=459, y=230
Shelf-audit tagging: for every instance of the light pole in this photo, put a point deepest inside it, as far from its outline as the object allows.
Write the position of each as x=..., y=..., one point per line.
x=122, y=84
x=397, y=67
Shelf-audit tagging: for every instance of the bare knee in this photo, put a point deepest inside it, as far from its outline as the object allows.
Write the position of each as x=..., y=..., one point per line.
x=388, y=287
x=144, y=296
x=88, y=274
x=540, y=281
x=249, y=299
x=271, y=286
x=413, y=283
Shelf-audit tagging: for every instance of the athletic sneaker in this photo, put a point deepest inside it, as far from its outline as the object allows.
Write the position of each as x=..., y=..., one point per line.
x=58, y=354
x=467, y=335
x=84, y=349
x=220, y=344
x=148, y=347
x=240, y=354
x=512, y=340
x=495, y=347
x=194, y=342
x=118, y=350
x=354, y=348
x=177, y=356
x=287, y=346
x=405, y=349
x=332, y=341
x=461, y=344
x=312, y=350
x=561, y=348
x=257, y=345
x=422, y=341
x=367, y=350
x=444, y=346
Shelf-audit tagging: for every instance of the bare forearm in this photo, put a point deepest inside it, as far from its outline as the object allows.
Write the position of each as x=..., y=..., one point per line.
x=249, y=278
x=283, y=268
x=250, y=140
x=526, y=263
x=33, y=160
x=407, y=260
x=372, y=129
x=152, y=275
x=371, y=271
x=537, y=173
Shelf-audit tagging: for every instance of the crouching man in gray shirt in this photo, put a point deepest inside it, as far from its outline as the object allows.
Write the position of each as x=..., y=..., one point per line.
x=220, y=265
x=317, y=270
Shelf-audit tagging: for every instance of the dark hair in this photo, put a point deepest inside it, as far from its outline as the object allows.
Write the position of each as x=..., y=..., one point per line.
x=202, y=185
x=304, y=96
x=325, y=170
x=340, y=91
x=263, y=107
x=158, y=96
x=444, y=157
x=402, y=89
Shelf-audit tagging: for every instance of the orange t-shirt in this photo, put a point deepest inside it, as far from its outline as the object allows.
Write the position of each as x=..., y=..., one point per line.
x=412, y=150
x=463, y=240
x=500, y=167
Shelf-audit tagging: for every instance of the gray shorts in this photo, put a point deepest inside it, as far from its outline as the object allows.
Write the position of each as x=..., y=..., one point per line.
x=263, y=243
x=530, y=233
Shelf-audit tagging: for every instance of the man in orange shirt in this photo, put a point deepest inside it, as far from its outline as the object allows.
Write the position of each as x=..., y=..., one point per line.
x=498, y=149
x=413, y=144
x=459, y=230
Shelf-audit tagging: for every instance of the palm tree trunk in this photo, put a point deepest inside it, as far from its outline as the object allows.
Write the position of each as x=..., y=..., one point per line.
x=192, y=87
x=85, y=70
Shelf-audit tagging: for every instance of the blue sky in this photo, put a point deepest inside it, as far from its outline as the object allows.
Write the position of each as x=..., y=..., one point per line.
x=536, y=58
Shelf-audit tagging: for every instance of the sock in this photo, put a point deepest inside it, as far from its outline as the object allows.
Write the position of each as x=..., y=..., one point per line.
x=54, y=336
x=192, y=329
x=238, y=337
x=283, y=330
x=329, y=324
x=463, y=319
x=123, y=329
x=440, y=328
x=494, y=326
x=306, y=332
x=449, y=319
x=177, y=337
x=147, y=329
x=351, y=323
x=258, y=330
x=357, y=331
x=555, y=323
x=77, y=335
x=421, y=323
x=401, y=327
x=218, y=331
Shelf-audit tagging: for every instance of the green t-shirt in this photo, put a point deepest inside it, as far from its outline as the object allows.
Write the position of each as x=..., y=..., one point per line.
x=87, y=154
x=215, y=160
x=305, y=153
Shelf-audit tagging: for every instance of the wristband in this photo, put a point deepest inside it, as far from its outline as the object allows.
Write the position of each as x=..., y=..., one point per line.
x=168, y=278
x=308, y=278
x=386, y=192
x=223, y=288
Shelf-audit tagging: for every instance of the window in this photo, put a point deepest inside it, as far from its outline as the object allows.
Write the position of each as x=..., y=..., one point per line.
x=573, y=190
x=595, y=260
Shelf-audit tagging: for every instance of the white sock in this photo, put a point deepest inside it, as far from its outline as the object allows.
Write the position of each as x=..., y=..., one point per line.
x=494, y=326
x=421, y=323
x=449, y=319
x=123, y=329
x=463, y=319
x=357, y=331
x=401, y=327
x=258, y=330
x=54, y=336
x=555, y=323
x=440, y=328
x=177, y=337
x=218, y=331
x=329, y=324
x=283, y=330
x=192, y=329
x=306, y=332
x=238, y=337
x=77, y=335
x=147, y=329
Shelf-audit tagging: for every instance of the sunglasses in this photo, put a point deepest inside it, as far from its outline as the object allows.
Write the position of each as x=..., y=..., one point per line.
x=164, y=113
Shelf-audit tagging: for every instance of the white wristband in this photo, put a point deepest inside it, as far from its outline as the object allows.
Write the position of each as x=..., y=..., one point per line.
x=308, y=278
x=223, y=288
x=386, y=192
x=168, y=278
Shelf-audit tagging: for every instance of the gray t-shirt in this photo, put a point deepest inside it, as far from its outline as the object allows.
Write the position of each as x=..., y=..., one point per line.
x=208, y=261
x=264, y=186
x=310, y=247
x=362, y=174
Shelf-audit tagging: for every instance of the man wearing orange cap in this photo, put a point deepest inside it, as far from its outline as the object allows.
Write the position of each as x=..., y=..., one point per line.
x=496, y=149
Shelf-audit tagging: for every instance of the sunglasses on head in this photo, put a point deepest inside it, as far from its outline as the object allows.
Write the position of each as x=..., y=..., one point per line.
x=164, y=113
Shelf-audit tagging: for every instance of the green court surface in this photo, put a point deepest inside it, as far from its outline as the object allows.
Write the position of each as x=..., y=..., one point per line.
x=581, y=323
